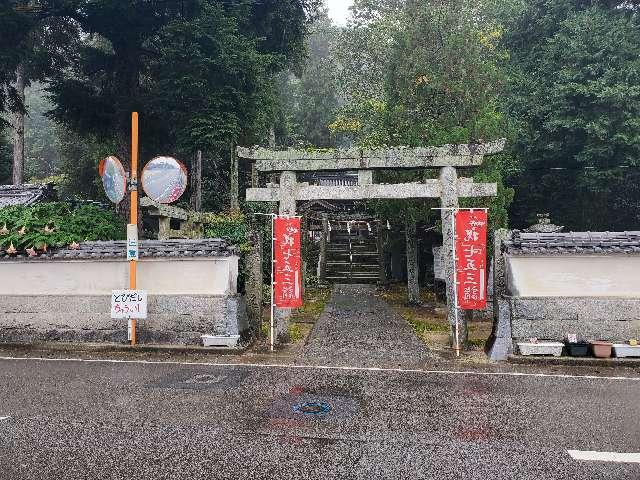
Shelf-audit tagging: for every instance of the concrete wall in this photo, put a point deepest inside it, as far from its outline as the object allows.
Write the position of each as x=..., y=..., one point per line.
x=208, y=276
x=604, y=318
x=574, y=276
x=70, y=300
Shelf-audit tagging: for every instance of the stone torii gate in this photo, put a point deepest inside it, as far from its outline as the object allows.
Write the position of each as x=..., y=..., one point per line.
x=449, y=188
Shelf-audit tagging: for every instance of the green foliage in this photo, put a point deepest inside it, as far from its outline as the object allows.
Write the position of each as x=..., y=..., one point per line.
x=227, y=92
x=232, y=227
x=14, y=28
x=42, y=142
x=447, y=92
x=197, y=72
x=438, y=73
x=200, y=73
x=64, y=225
x=5, y=160
x=309, y=102
x=575, y=95
x=79, y=158
x=296, y=332
x=40, y=36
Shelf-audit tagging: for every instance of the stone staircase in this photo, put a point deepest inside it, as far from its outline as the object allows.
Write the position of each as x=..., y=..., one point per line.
x=352, y=257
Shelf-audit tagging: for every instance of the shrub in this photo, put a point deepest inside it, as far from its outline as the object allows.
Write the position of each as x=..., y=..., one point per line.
x=57, y=224
x=232, y=227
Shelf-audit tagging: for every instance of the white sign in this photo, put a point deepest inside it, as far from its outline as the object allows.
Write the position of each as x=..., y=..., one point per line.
x=132, y=242
x=128, y=304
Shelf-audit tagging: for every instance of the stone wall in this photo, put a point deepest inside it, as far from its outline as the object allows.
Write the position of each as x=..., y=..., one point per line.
x=70, y=300
x=612, y=319
x=550, y=285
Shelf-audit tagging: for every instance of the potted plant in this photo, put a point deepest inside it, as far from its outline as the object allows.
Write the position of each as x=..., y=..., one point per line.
x=601, y=349
x=537, y=347
x=631, y=349
x=577, y=349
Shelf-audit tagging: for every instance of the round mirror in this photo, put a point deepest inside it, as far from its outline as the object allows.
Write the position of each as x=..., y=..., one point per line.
x=164, y=179
x=114, y=179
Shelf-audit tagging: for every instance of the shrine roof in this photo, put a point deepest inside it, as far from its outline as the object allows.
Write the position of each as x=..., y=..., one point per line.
x=109, y=250
x=25, y=194
x=572, y=243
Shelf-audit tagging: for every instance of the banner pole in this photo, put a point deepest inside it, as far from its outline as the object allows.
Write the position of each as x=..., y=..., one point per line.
x=455, y=283
x=133, y=214
x=273, y=241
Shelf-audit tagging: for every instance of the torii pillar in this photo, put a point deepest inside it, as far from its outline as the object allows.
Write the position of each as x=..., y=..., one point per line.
x=448, y=203
x=287, y=208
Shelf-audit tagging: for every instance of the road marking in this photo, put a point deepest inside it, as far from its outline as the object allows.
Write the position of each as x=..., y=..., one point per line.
x=592, y=456
x=4, y=418
x=327, y=367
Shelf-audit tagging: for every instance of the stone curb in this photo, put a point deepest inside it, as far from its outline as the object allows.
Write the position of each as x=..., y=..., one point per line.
x=574, y=361
x=115, y=347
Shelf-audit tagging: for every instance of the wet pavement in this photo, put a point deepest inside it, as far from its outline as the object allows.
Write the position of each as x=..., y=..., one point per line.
x=104, y=420
x=363, y=399
x=359, y=329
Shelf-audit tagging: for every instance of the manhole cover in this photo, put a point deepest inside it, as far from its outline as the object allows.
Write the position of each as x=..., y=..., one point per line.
x=206, y=379
x=312, y=408
x=194, y=380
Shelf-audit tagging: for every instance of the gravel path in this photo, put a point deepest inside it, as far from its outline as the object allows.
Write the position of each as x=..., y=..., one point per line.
x=359, y=329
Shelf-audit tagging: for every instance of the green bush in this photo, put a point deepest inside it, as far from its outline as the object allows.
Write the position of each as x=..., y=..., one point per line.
x=57, y=224
x=232, y=227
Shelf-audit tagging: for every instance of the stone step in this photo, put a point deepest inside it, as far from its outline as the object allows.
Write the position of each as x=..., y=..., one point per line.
x=360, y=255
x=352, y=280
x=357, y=248
x=355, y=273
x=348, y=267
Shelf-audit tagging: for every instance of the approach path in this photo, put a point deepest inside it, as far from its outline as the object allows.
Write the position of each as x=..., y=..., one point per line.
x=358, y=329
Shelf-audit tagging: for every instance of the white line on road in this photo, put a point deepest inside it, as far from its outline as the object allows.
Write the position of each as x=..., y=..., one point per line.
x=328, y=367
x=4, y=418
x=592, y=456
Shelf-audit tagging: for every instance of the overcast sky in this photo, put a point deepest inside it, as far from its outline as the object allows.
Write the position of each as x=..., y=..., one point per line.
x=339, y=10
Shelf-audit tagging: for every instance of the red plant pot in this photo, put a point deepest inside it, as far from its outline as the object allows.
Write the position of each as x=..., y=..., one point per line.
x=601, y=349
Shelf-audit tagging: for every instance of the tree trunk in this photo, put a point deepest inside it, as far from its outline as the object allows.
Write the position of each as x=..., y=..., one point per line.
x=322, y=257
x=18, y=129
x=234, y=204
x=413, y=284
x=272, y=138
x=381, y=247
x=196, y=179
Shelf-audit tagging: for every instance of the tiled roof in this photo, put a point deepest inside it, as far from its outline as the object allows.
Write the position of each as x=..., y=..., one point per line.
x=210, y=247
x=572, y=243
x=25, y=194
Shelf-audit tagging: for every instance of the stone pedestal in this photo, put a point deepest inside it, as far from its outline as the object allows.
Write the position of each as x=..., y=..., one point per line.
x=254, y=281
x=413, y=284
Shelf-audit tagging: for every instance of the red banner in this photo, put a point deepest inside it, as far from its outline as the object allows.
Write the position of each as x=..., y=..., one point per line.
x=288, y=265
x=471, y=259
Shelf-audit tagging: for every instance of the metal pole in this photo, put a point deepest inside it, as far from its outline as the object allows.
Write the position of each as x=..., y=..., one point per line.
x=273, y=241
x=133, y=189
x=455, y=282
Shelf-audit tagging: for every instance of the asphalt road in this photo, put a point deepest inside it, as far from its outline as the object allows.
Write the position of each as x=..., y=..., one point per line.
x=99, y=420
